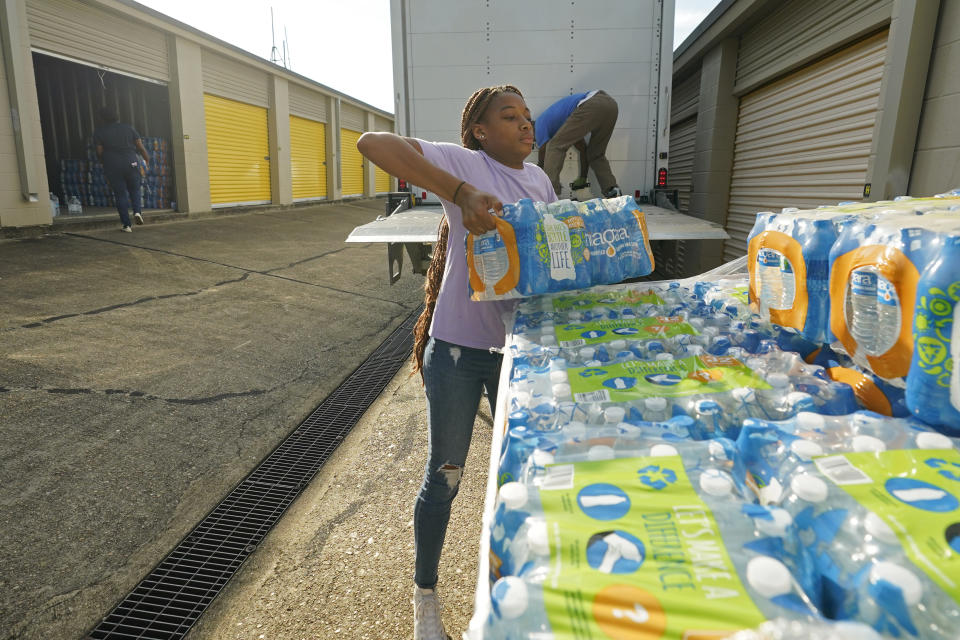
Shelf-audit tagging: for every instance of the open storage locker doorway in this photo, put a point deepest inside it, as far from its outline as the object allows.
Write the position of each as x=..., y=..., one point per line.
x=69, y=95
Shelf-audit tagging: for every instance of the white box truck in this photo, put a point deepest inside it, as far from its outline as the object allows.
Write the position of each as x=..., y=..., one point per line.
x=443, y=50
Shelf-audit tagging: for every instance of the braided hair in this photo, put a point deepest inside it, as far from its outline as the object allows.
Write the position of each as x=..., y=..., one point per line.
x=473, y=112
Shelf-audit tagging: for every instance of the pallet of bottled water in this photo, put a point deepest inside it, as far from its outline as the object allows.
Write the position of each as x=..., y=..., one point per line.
x=877, y=282
x=671, y=470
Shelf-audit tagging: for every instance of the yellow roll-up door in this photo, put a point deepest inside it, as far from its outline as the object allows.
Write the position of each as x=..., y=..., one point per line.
x=308, y=158
x=383, y=180
x=804, y=140
x=237, y=152
x=351, y=164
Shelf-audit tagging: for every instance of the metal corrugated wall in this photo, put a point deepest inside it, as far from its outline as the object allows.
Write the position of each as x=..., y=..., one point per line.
x=352, y=117
x=682, y=138
x=308, y=104
x=231, y=79
x=796, y=32
x=805, y=140
x=351, y=164
x=237, y=151
x=308, y=158
x=84, y=32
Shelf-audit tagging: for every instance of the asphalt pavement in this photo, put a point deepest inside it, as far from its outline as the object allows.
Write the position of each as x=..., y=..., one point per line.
x=145, y=374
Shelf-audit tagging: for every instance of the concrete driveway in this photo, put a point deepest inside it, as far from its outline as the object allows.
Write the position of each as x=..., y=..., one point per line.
x=145, y=374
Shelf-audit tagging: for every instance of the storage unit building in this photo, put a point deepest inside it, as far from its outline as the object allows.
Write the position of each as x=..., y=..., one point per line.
x=799, y=103
x=223, y=127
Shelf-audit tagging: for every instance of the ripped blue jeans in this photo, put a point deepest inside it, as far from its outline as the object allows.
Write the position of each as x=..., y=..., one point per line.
x=454, y=379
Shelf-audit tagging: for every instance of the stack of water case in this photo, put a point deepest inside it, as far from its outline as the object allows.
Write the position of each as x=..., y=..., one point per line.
x=674, y=464
x=86, y=181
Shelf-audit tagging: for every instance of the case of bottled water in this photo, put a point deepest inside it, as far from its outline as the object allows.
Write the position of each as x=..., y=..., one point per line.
x=538, y=249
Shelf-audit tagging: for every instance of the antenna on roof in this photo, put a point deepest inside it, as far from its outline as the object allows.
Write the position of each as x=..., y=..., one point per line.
x=287, y=63
x=274, y=53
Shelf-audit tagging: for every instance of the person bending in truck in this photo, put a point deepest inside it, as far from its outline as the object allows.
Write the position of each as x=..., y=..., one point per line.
x=457, y=341
x=117, y=147
x=566, y=123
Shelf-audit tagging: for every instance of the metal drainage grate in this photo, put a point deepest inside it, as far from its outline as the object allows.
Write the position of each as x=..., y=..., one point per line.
x=171, y=598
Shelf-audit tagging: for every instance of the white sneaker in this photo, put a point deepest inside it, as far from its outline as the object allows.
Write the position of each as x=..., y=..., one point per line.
x=127, y=230
x=138, y=218
x=427, y=624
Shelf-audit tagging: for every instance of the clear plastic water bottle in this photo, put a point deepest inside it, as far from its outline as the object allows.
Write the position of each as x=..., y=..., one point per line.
x=933, y=383
x=517, y=610
x=888, y=315
x=863, y=310
x=768, y=274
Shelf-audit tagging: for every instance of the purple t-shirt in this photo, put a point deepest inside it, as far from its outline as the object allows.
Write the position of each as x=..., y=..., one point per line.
x=457, y=318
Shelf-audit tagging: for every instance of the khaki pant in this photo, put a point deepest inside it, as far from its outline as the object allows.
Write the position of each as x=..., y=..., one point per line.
x=597, y=116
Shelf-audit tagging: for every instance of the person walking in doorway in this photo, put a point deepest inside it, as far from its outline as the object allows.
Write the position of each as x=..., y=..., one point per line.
x=566, y=123
x=117, y=147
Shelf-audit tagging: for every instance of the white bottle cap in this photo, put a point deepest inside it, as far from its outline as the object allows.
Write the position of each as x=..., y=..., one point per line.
x=575, y=429
x=511, y=596
x=614, y=414
x=769, y=577
x=618, y=345
x=810, y=420
x=587, y=353
x=695, y=350
x=899, y=576
x=794, y=398
x=561, y=391
x=849, y=630
x=663, y=450
x=778, y=525
x=863, y=443
x=558, y=375
x=664, y=356
x=809, y=488
x=655, y=404
x=879, y=529
x=600, y=452
x=513, y=495
x=806, y=449
x=930, y=440
x=755, y=364
x=537, y=536
x=778, y=380
x=743, y=394
x=541, y=458
x=716, y=450
x=548, y=340
x=716, y=483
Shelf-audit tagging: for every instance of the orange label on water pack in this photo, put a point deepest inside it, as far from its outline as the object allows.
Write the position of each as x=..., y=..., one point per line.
x=795, y=316
x=896, y=268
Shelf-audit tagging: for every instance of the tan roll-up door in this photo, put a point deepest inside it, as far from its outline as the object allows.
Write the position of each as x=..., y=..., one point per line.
x=308, y=158
x=84, y=32
x=237, y=152
x=682, y=137
x=804, y=140
x=351, y=164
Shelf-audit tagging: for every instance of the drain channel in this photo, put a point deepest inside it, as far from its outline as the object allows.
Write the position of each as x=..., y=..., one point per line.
x=171, y=598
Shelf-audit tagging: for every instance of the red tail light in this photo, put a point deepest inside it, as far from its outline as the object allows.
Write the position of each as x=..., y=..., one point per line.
x=402, y=185
x=636, y=194
x=424, y=196
x=662, y=177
